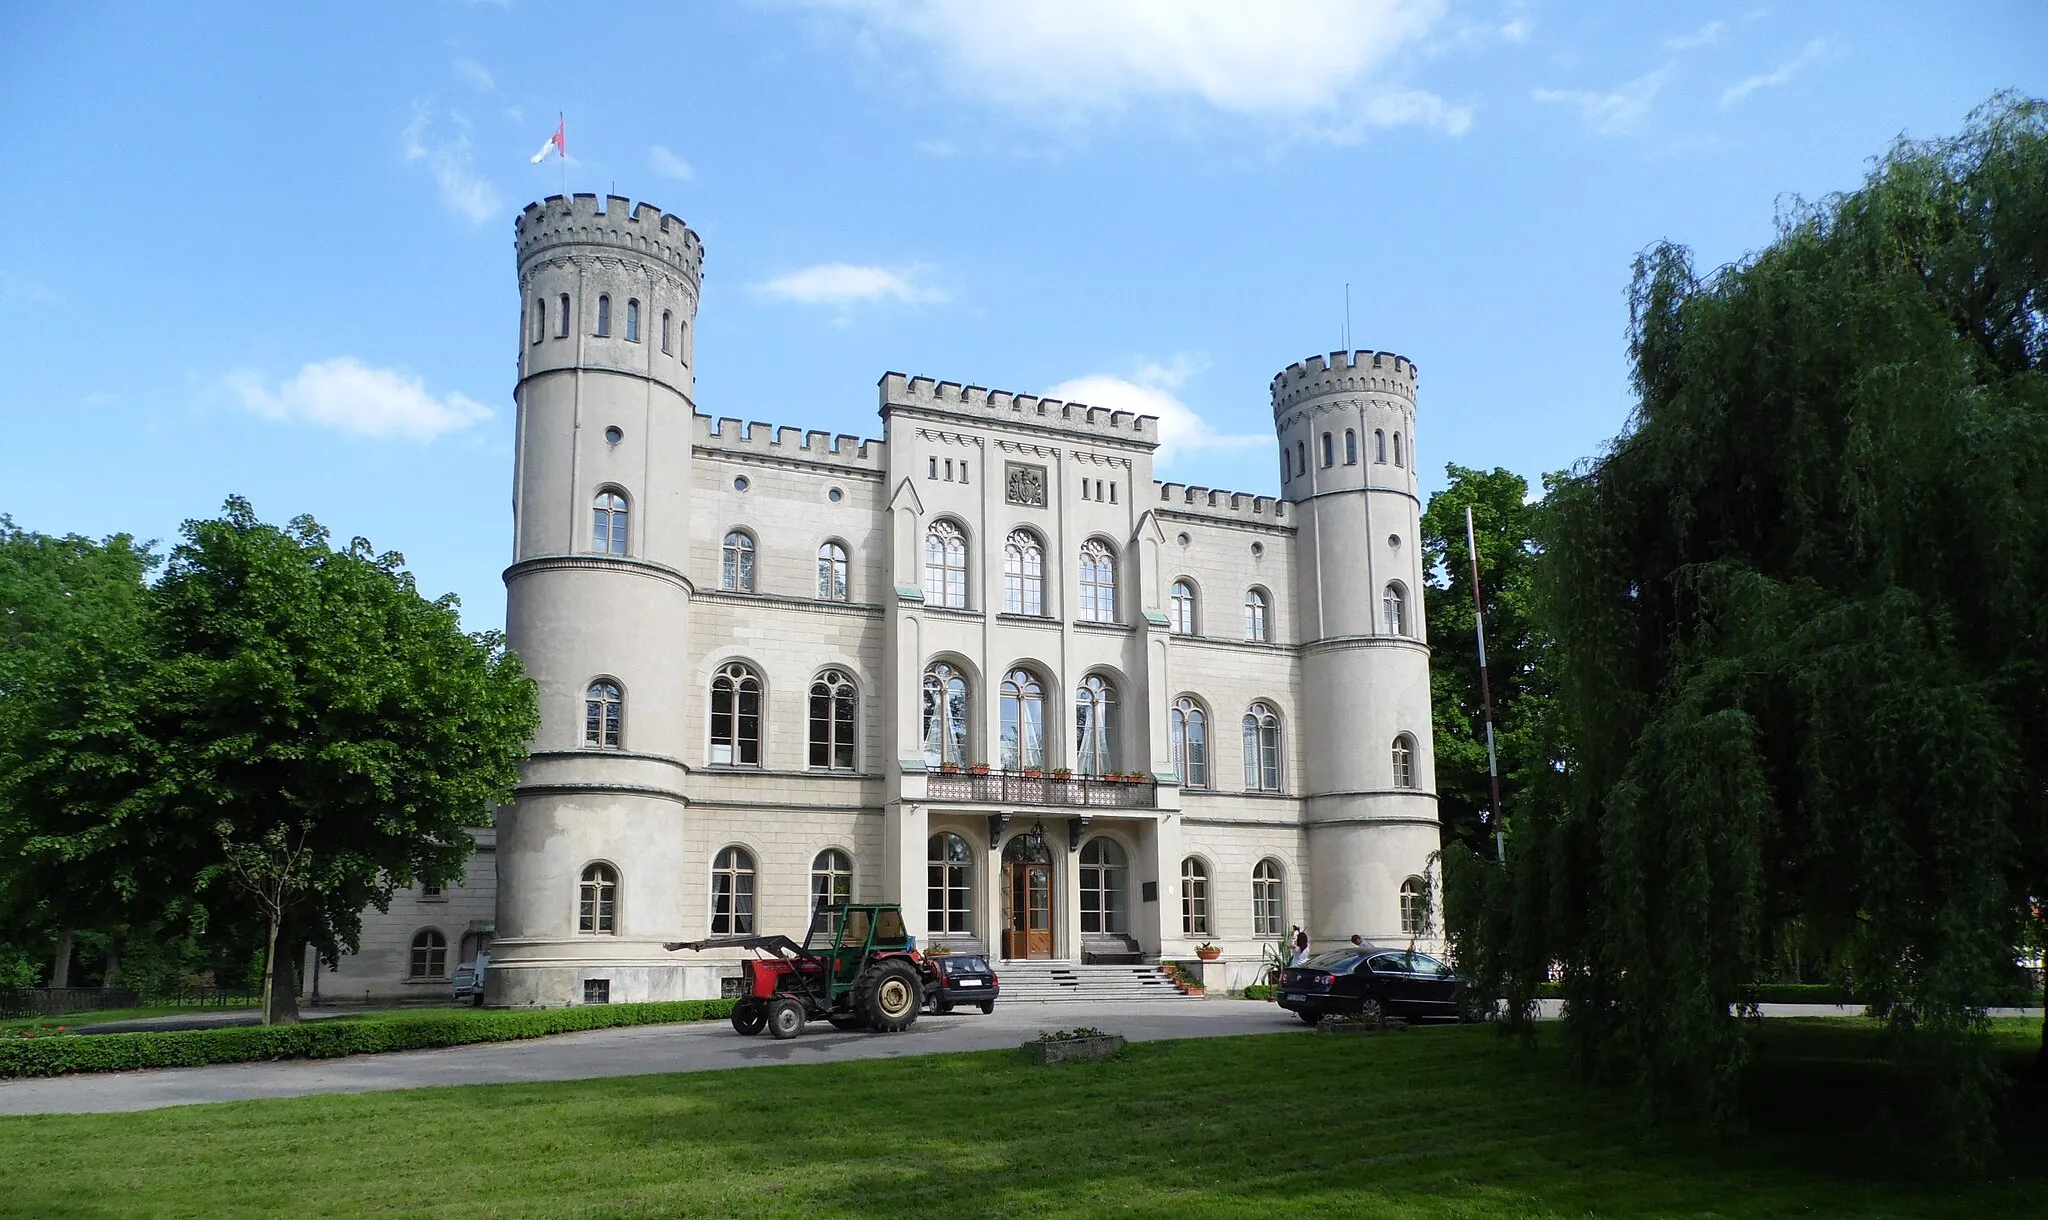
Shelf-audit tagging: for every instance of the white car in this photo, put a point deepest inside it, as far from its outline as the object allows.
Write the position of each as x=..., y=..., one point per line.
x=469, y=980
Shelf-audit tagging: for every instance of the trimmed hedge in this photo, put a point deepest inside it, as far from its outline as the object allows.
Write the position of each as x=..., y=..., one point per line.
x=328, y=1039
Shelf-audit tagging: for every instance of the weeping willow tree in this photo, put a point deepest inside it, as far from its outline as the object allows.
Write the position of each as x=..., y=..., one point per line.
x=1800, y=611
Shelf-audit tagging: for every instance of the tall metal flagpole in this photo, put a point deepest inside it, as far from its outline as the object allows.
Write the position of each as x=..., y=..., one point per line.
x=1485, y=689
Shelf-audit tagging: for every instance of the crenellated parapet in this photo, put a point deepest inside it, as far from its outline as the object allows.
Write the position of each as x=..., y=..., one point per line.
x=1004, y=407
x=1344, y=373
x=577, y=224
x=1229, y=505
x=790, y=444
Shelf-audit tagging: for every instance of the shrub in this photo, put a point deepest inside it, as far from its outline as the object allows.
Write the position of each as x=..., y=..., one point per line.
x=329, y=1039
x=1258, y=991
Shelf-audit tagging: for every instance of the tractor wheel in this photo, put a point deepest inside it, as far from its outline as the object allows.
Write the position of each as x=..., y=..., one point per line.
x=889, y=994
x=847, y=1021
x=749, y=1016
x=785, y=1017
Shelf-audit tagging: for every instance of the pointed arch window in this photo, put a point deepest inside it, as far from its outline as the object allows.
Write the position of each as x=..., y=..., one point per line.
x=597, y=901
x=1286, y=464
x=945, y=565
x=831, y=879
x=1023, y=716
x=1301, y=456
x=1268, y=898
x=1023, y=574
x=736, y=717
x=945, y=717
x=1329, y=452
x=1256, y=624
x=1181, y=614
x=1190, y=742
x=736, y=562
x=1194, y=897
x=1404, y=761
x=540, y=318
x=1398, y=456
x=1261, y=749
x=1350, y=447
x=1414, y=906
x=1098, y=582
x=632, y=320
x=833, y=704
x=562, y=324
x=832, y=573
x=604, y=713
x=949, y=884
x=608, y=523
x=683, y=340
x=1379, y=446
x=1394, y=610
x=667, y=326
x=1095, y=726
x=1105, y=885
x=604, y=316
x=429, y=955
x=732, y=893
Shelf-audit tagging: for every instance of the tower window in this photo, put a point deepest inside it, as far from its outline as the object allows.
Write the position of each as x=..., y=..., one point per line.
x=540, y=318
x=597, y=903
x=1414, y=906
x=1404, y=761
x=1397, y=450
x=832, y=725
x=1379, y=446
x=736, y=717
x=683, y=341
x=1329, y=452
x=1301, y=456
x=736, y=565
x=604, y=711
x=1350, y=447
x=1286, y=464
x=562, y=324
x=632, y=321
x=604, y=316
x=608, y=524
x=666, y=325
x=1394, y=610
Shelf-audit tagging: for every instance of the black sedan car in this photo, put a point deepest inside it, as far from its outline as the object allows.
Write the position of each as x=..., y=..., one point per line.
x=958, y=979
x=1373, y=982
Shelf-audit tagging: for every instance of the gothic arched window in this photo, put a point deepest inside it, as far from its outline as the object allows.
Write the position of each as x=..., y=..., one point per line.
x=1398, y=461
x=1268, y=896
x=1394, y=610
x=1350, y=447
x=604, y=316
x=1256, y=627
x=1181, y=614
x=540, y=318
x=736, y=562
x=608, y=523
x=1404, y=761
x=1095, y=727
x=732, y=893
x=562, y=326
x=1023, y=574
x=604, y=711
x=1329, y=451
x=1190, y=742
x=597, y=900
x=632, y=321
x=833, y=703
x=1379, y=446
x=832, y=571
x=945, y=565
x=736, y=716
x=1023, y=715
x=1098, y=582
x=1261, y=749
x=667, y=325
x=945, y=716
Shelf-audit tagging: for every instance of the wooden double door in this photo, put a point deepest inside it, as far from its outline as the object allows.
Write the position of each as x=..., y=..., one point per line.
x=1027, y=931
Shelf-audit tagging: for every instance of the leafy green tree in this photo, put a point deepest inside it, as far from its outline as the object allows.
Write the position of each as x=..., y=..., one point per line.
x=1798, y=611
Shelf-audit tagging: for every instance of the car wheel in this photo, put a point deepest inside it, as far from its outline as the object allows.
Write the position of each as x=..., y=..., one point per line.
x=988, y=1008
x=942, y=1009
x=785, y=1017
x=1372, y=1011
x=477, y=1000
x=749, y=1016
x=1309, y=1016
x=888, y=994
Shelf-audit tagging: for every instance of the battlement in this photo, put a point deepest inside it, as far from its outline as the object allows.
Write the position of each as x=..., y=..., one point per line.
x=1230, y=505
x=1344, y=373
x=644, y=230
x=1003, y=407
x=791, y=444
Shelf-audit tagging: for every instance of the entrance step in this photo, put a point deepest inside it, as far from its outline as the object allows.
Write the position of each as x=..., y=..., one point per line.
x=1070, y=981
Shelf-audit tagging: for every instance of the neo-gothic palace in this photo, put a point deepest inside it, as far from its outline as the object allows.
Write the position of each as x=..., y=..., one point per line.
x=985, y=667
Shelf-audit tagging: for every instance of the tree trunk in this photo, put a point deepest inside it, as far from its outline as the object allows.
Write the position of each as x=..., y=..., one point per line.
x=284, y=994
x=2041, y=1059
x=269, y=970
x=60, y=965
x=112, y=976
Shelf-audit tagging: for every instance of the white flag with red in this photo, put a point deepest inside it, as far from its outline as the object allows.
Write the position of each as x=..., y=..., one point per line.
x=558, y=143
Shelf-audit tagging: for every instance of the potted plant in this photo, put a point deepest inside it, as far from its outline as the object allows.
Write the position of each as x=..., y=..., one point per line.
x=978, y=769
x=949, y=768
x=1033, y=773
x=1207, y=952
x=1063, y=773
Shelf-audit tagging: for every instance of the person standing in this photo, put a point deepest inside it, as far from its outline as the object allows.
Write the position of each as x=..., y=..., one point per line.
x=1299, y=942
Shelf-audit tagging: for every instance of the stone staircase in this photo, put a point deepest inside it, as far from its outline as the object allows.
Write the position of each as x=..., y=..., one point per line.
x=1073, y=983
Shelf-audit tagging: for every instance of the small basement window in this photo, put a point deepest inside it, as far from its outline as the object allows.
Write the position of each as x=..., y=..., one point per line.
x=597, y=991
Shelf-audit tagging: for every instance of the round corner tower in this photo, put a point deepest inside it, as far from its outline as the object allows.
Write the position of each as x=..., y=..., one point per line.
x=597, y=604
x=1346, y=425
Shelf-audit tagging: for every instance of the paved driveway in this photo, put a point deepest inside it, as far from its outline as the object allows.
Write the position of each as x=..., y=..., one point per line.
x=633, y=1051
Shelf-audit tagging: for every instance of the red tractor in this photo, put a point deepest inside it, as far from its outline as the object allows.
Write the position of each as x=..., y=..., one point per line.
x=855, y=969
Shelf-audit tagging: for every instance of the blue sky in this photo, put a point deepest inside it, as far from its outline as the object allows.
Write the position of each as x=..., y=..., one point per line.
x=266, y=249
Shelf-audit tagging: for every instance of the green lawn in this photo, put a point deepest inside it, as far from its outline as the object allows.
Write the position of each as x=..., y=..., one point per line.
x=103, y=1016
x=1438, y=1122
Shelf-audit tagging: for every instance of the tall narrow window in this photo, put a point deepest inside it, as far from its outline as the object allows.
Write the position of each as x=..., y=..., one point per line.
x=945, y=717
x=736, y=565
x=1098, y=582
x=1301, y=456
x=683, y=341
x=598, y=900
x=1404, y=761
x=667, y=325
x=1182, y=612
x=1397, y=450
x=1414, y=906
x=1194, y=897
x=1104, y=878
x=1095, y=727
x=1329, y=451
x=732, y=893
x=540, y=318
x=1261, y=749
x=604, y=708
x=949, y=869
x=1023, y=574
x=562, y=324
x=1267, y=898
x=1379, y=446
x=1394, y=610
x=429, y=955
x=608, y=523
x=1286, y=464
x=736, y=716
x=831, y=879
x=832, y=584
x=1023, y=712
x=1255, y=617
x=1350, y=447
x=832, y=708
x=632, y=321
x=945, y=565
x=1190, y=742
x=604, y=316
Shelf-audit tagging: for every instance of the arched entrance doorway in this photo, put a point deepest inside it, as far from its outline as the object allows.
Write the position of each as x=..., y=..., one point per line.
x=1027, y=870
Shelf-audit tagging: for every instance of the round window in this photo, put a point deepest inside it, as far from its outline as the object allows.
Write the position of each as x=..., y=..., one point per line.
x=1184, y=540
x=740, y=484
x=1394, y=540
x=835, y=495
x=613, y=435
x=1258, y=549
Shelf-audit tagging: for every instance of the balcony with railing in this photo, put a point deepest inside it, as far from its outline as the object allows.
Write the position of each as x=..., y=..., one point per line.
x=1024, y=788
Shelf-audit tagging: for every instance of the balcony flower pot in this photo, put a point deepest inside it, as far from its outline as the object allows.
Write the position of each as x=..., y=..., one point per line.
x=1063, y=773
x=1208, y=952
x=978, y=769
x=1033, y=773
x=949, y=768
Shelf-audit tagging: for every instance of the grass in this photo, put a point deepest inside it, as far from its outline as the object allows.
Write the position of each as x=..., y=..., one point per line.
x=1428, y=1123
x=103, y=1016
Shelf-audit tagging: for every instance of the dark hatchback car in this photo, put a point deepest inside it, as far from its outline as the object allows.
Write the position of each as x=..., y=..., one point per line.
x=960, y=979
x=1374, y=982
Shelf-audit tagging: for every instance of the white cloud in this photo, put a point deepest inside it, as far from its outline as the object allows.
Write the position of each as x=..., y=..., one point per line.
x=349, y=396
x=1620, y=110
x=1706, y=36
x=1316, y=65
x=1150, y=392
x=1784, y=72
x=850, y=284
x=668, y=165
x=475, y=75
x=463, y=191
